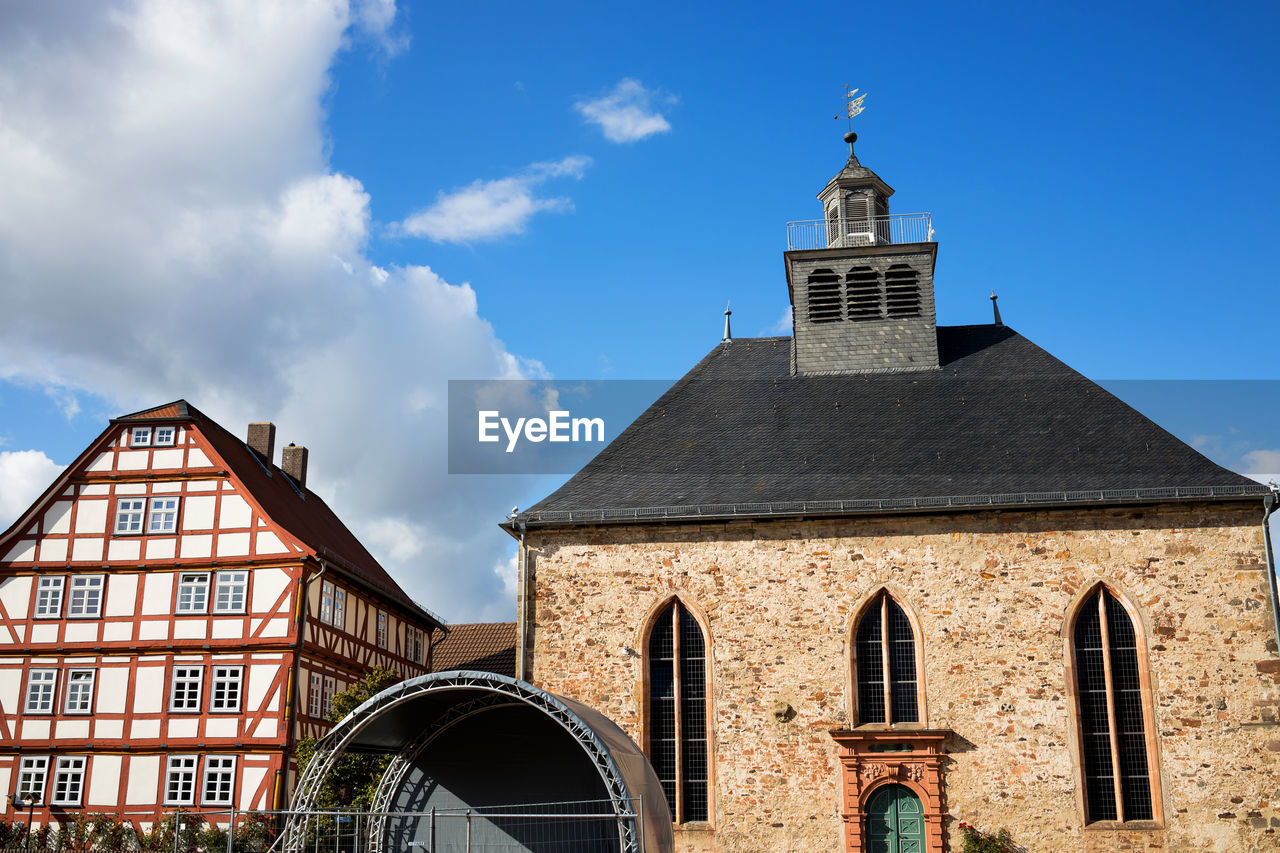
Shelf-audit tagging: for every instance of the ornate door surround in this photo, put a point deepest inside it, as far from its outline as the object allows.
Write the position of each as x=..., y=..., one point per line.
x=873, y=758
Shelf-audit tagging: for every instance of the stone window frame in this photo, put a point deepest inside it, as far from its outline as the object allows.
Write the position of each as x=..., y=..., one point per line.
x=708, y=646
x=870, y=601
x=1150, y=723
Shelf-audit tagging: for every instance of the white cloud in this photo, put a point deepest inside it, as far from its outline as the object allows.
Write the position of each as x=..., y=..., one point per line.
x=24, y=474
x=508, y=571
x=628, y=113
x=490, y=210
x=783, y=326
x=171, y=228
x=1262, y=460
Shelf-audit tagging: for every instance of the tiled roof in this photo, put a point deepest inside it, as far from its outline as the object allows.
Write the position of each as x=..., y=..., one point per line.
x=483, y=646
x=1001, y=417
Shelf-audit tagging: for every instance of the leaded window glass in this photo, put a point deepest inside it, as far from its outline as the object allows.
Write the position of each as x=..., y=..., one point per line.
x=678, y=712
x=886, y=644
x=1112, y=719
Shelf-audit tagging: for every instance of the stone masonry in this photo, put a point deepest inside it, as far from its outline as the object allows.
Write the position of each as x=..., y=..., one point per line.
x=991, y=592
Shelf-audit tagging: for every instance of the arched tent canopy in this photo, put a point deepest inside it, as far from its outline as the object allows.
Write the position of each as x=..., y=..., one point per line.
x=481, y=744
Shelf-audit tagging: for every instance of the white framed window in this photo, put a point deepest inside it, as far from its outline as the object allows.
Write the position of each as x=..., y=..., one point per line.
x=230, y=591
x=163, y=517
x=315, y=701
x=193, y=592
x=330, y=688
x=85, y=599
x=49, y=596
x=33, y=773
x=41, y=685
x=326, y=602
x=382, y=629
x=180, y=780
x=185, y=693
x=219, y=779
x=68, y=780
x=413, y=644
x=339, y=607
x=224, y=688
x=140, y=437
x=79, y=698
x=129, y=515
x=165, y=436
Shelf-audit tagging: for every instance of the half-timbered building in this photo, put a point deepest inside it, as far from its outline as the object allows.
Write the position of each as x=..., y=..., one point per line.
x=176, y=610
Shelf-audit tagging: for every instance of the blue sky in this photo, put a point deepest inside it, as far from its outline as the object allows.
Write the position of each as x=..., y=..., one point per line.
x=318, y=214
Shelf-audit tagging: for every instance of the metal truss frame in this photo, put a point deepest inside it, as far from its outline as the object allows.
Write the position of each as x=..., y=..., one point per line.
x=498, y=691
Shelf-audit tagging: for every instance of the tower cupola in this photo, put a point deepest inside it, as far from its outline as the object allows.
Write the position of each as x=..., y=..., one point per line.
x=861, y=281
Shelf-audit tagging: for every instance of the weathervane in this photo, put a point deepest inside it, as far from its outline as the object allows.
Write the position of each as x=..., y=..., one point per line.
x=853, y=103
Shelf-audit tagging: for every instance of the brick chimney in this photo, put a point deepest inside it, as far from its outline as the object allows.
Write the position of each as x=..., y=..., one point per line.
x=293, y=461
x=262, y=438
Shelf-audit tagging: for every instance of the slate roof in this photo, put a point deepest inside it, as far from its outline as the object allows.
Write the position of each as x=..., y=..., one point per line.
x=297, y=509
x=483, y=646
x=1001, y=423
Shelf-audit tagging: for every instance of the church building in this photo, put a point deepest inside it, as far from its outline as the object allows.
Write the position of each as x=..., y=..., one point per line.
x=852, y=587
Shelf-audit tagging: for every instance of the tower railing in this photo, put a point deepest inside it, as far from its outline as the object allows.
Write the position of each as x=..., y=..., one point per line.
x=866, y=231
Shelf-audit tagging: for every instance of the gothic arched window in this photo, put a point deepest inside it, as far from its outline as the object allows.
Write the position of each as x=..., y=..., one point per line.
x=1112, y=713
x=885, y=657
x=677, y=711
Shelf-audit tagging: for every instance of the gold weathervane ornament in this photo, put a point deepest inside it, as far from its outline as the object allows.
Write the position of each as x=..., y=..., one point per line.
x=854, y=103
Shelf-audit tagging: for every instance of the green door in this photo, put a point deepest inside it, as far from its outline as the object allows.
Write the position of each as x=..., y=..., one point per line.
x=895, y=821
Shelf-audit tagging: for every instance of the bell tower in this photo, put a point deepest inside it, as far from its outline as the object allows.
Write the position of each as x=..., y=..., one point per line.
x=861, y=281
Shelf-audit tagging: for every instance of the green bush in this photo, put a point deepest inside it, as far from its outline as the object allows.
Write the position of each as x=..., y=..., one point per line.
x=977, y=841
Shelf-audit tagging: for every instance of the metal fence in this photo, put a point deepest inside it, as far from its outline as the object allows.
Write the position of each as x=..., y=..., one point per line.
x=590, y=826
x=868, y=231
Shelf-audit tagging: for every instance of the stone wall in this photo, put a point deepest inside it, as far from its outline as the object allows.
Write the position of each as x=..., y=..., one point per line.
x=990, y=592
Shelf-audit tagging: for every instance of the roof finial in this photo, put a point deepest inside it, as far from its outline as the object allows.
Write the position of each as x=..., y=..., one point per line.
x=996, y=308
x=727, y=312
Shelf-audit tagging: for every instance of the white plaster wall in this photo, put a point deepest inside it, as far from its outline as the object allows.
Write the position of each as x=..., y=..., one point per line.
x=260, y=676
x=144, y=780
x=84, y=550
x=91, y=517
x=197, y=459
x=34, y=729
x=124, y=549
x=101, y=463
x=197, y=546
x=113, y=632
x=166, y=459
x=57, y=518
x=144, y=730
x=233, y=544
x=250, y=779
x=234, y=512
x=269, y=543
x=104, y=781
x=227, y=629
x=197, y=514
x=81, y=632
x=10, y=683
x=53, y=550
x=77, y=729
x=131, y=489
x=108, y=729
x=15, y=593
x=113, y=689
x=131, y=460
x=184, y=727
x=161, y=549
x=45, y=632
x=267, y=586
x=202, y=486
x=122, y=594
x=157, y=594
x=190, y=629
x=221, y=726
x=23, y=551
x=148, y=690
x=153, y=630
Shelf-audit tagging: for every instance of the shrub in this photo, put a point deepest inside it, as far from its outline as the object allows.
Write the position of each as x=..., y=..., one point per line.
x=977, y=841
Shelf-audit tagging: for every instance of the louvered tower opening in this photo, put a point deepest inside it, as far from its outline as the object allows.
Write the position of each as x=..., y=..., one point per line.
x=901, y=292
x=824, y=297
x=862, y=289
